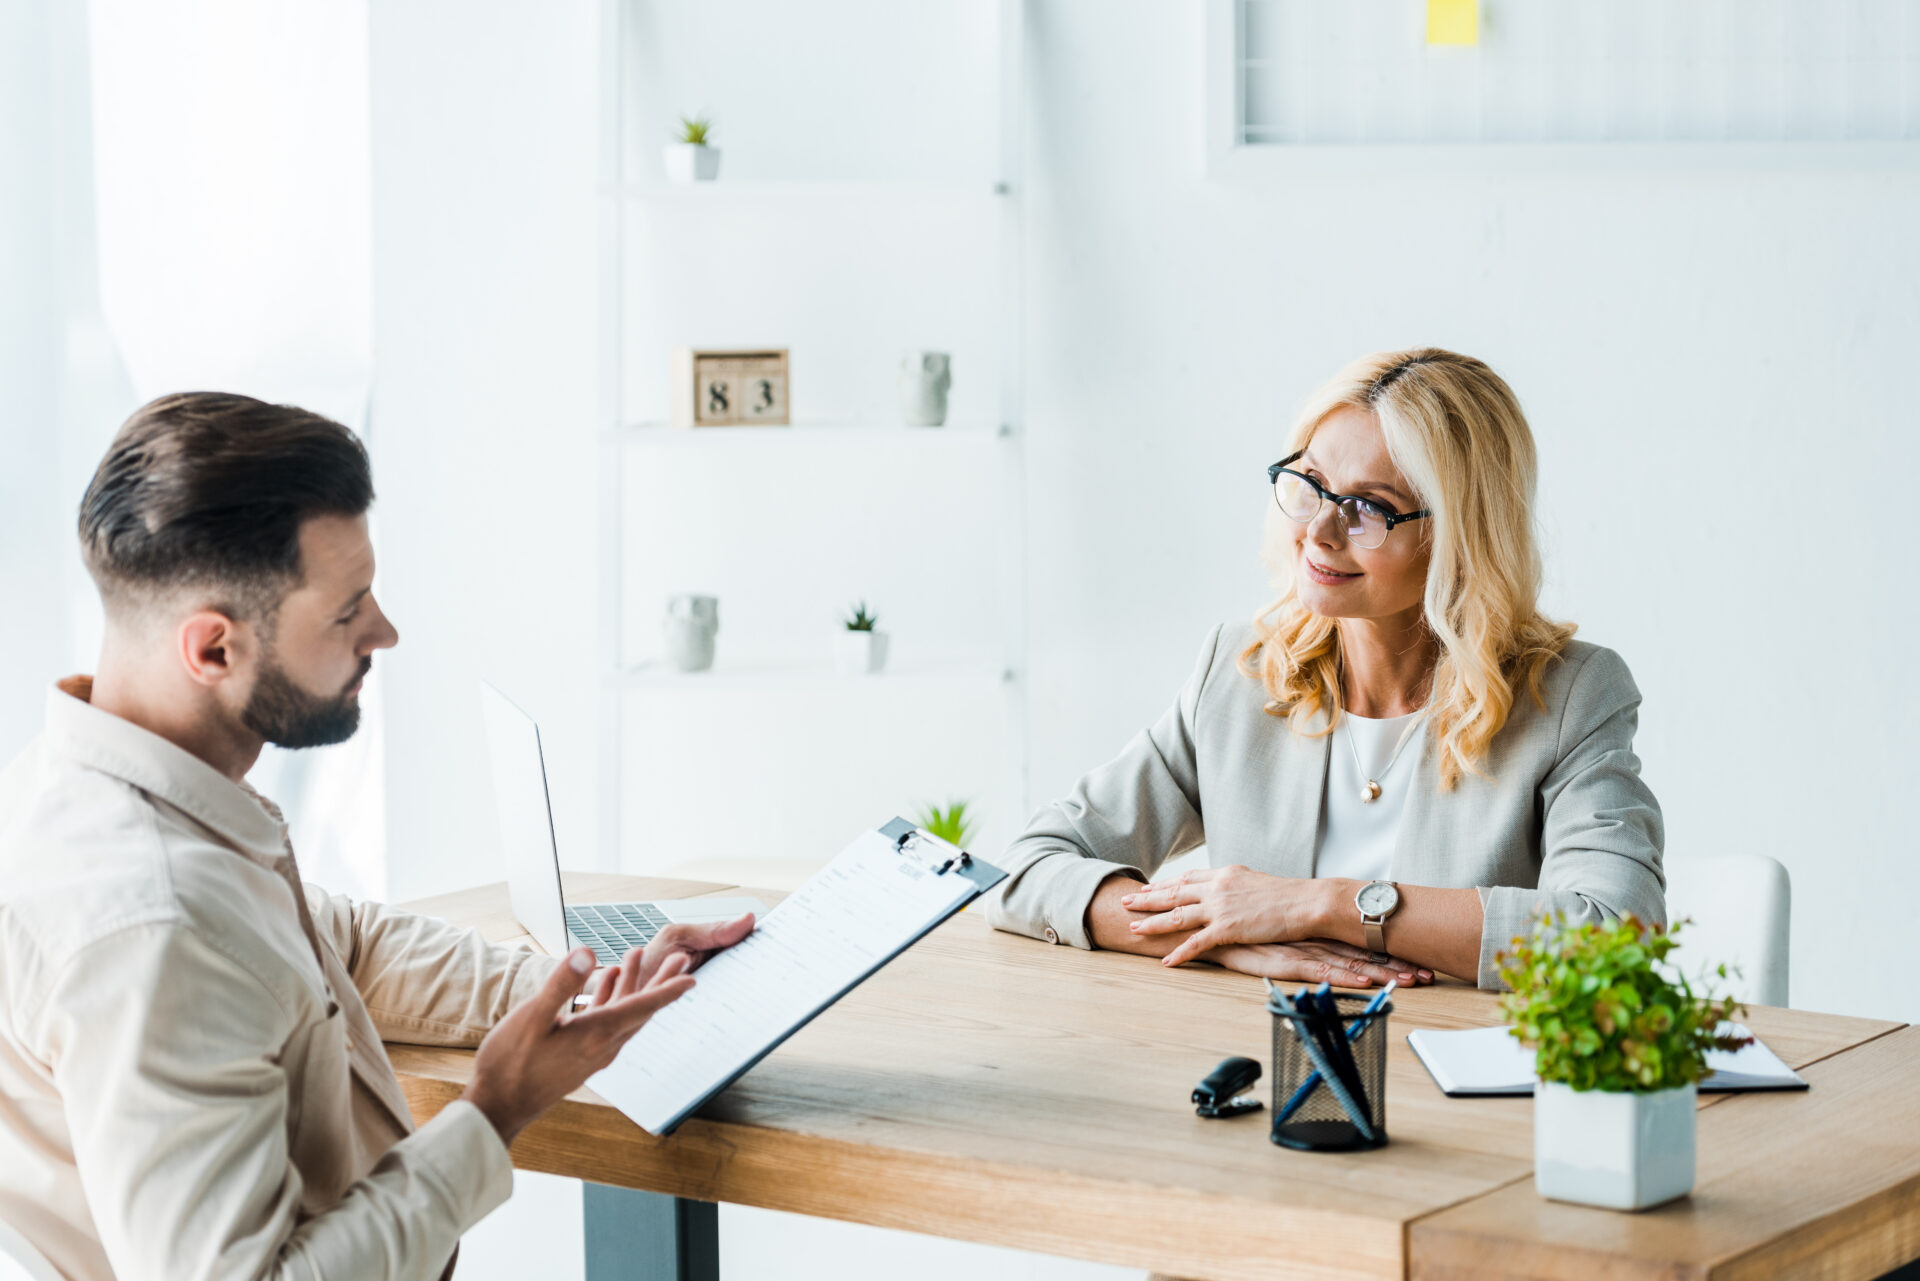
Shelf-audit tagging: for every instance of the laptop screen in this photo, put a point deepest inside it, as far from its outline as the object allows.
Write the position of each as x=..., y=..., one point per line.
x=526, y=820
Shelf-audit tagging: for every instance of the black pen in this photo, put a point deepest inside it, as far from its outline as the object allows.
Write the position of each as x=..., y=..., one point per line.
x=1308, y=1027
x=1339, y=1053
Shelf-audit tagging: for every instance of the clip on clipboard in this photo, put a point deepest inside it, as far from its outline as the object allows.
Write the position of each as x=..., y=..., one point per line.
x=878, y=897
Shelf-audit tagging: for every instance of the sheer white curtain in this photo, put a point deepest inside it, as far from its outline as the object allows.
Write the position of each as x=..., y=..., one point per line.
x=231, y=170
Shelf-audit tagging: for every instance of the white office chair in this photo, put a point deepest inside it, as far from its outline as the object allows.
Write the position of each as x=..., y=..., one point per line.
x=1741, y=905
x=19, y=1261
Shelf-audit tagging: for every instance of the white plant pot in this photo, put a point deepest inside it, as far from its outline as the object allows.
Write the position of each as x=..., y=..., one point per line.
x=859, y=653
x=1618, y=1150
x=686, y=162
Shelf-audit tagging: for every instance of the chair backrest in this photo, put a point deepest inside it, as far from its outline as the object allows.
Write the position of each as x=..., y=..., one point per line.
x=19, y=1261
x=1741, y=905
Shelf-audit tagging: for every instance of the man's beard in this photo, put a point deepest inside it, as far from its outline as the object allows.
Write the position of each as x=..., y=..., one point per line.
x=286, y=715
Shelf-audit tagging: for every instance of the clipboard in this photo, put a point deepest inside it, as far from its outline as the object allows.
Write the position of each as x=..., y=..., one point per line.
x=886, y=891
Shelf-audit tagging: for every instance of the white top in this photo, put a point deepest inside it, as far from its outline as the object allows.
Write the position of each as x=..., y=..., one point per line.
x=1357, y=837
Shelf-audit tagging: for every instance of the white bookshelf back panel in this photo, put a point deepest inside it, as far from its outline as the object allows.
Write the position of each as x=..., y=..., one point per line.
x=796, y=91
x=847, y=283
x=1360, y=71
x=789, y=530
x=740, y=772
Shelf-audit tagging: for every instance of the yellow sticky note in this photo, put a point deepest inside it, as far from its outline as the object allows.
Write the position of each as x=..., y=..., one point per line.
x=1453, y=21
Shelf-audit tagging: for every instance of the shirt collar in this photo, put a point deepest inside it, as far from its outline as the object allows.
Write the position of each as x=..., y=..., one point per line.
x=105, y=742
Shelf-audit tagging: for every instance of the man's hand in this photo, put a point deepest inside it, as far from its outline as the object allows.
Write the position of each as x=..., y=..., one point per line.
x=539, y=1053
x=695, y=942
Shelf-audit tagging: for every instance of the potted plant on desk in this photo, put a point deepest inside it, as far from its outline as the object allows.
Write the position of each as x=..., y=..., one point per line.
x=860, y=650
x=1619, y=1044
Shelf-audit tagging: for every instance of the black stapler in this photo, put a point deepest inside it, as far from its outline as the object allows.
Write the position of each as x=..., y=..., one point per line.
x=1220, y=1094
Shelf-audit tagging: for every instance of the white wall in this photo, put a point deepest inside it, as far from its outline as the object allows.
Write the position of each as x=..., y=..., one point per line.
x=484, y=170
x=1710, y=361
x=1672, y=334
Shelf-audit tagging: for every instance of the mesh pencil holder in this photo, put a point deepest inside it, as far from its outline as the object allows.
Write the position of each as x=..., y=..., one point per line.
x=1312, y=1117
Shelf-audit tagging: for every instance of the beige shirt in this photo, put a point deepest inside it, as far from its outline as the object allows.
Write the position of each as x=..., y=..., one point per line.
x=1558, y=820
x=192, y=1082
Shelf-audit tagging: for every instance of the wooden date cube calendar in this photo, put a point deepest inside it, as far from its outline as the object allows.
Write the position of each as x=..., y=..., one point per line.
x=729, y=388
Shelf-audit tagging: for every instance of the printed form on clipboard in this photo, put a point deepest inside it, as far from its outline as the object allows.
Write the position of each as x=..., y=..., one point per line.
x=878, y=897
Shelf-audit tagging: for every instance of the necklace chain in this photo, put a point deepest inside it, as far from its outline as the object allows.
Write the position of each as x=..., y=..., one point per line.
x=1370, y=787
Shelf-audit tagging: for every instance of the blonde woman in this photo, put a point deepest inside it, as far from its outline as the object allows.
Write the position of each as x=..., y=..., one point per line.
x=1400, y=761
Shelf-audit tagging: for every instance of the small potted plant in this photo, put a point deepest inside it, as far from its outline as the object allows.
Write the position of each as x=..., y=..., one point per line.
x=951, y=824
x=689, y=157
x=1619, y=1042
x=860, y=650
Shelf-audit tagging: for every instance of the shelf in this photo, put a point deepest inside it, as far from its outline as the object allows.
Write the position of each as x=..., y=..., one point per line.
x=812, y=675
x=665, y=435
x=852, y=189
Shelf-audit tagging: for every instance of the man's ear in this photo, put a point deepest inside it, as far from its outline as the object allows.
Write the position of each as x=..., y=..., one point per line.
x=211, y=646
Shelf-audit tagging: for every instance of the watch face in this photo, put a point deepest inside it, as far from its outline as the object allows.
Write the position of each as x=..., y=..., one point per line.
x=1378, y=898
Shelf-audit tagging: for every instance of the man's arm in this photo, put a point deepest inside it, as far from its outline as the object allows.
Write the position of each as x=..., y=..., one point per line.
x=425, y=982
x=167, y=1054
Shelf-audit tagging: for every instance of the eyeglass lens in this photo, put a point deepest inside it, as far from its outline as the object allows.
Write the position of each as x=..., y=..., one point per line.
x=1364, y=524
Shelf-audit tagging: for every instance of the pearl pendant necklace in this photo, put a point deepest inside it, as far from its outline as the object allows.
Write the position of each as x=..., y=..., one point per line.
x=1370, y=790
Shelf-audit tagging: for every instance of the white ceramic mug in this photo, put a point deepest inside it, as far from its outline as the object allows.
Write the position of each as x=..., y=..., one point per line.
x=690, y=626
x=924, y=379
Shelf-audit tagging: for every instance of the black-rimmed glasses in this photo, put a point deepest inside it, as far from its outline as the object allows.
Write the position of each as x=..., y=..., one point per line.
x=1365, y=522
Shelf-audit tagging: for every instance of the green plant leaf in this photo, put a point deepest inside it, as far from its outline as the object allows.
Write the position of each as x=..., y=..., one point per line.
x=951, y=824
x=1602, y=1010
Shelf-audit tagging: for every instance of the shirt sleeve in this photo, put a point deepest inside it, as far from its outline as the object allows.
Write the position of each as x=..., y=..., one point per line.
x=166, y=1052
x=1125, y=818
x=1602, y=832
x=424, y=981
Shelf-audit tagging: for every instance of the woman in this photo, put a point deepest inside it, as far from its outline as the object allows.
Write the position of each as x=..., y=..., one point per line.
x=1401, y=761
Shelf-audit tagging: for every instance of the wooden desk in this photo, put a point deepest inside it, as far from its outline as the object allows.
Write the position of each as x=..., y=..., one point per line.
x=996, y=1089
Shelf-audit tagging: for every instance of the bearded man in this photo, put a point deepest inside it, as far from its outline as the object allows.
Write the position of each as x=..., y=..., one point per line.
x=192, y=1082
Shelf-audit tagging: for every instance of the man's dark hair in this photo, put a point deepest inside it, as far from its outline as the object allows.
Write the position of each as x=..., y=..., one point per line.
x=207, y=489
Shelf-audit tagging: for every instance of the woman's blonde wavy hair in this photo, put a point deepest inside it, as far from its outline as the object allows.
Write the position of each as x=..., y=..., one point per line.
x=1455, y=430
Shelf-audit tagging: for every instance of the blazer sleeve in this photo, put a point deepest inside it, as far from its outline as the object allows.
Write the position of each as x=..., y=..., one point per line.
x=1125, y=818
x=425, y=982
x=166, y=1051
x=1601, y=833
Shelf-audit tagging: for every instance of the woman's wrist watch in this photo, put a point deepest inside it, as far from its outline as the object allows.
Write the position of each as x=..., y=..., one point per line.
x=1377, y=900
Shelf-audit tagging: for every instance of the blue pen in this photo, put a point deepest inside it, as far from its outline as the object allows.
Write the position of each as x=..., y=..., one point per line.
x=1299, y=1096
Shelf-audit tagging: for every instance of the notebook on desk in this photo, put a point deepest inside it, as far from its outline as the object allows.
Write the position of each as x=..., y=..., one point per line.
x=1488, y=1061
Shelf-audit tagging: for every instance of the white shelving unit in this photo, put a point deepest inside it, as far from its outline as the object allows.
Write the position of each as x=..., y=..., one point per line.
x=773, y=753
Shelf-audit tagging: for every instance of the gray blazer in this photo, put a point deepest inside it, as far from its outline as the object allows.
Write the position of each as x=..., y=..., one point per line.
x=1562, y=821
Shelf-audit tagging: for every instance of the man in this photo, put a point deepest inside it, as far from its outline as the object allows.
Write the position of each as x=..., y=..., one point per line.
x=192, y=1082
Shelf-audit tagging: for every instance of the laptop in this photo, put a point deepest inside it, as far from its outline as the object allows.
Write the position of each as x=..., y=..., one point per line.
x=533, y=857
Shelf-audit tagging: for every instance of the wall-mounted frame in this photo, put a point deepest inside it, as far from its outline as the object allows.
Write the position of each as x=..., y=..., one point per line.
x=1296, y=88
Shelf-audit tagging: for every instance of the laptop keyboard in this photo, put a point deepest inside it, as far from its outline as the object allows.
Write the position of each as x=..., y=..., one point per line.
x=613, y=929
